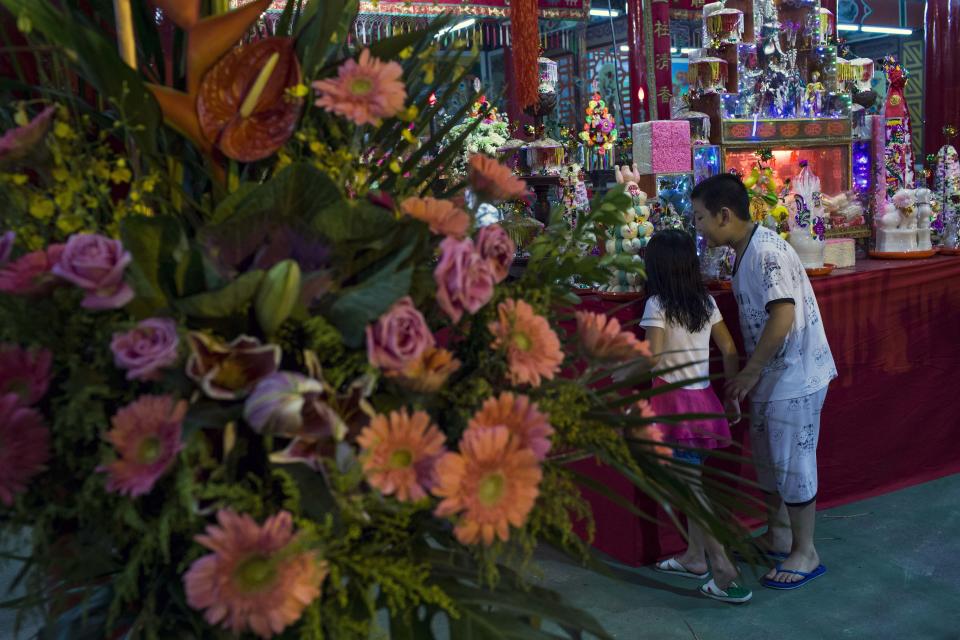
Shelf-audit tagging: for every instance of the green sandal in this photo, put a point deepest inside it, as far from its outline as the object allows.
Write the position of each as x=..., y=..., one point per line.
x=734, y=593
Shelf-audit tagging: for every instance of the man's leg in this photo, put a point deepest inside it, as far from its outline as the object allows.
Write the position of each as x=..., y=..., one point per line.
x=765, y=436
x=799, y=486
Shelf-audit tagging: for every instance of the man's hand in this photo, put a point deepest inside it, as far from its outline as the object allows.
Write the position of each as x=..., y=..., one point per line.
x=732, y=409
x=738, y=388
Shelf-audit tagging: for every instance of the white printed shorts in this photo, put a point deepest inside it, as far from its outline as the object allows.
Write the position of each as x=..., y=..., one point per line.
x=783, y=436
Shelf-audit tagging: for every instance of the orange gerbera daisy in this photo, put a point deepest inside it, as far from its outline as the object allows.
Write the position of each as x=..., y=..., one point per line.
x=528, y=427
x=399, y=453
x=491, y=483
x=602, y=339
x=429, y=372
x=443, y=217
x=533, y=349
x=492, y=181
x=253, y=580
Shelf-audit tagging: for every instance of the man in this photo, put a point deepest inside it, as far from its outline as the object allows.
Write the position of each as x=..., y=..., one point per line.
x=786, y=376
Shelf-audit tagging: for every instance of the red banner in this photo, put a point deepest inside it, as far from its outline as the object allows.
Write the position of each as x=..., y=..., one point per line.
x=549, y=9
x=660, y=18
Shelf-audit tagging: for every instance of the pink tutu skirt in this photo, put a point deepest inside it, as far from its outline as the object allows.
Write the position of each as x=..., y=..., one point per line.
x=713, y=433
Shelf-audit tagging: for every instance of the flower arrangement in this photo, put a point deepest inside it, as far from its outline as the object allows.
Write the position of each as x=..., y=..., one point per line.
x=292, y=395
x=489, y=131
x=599, y=127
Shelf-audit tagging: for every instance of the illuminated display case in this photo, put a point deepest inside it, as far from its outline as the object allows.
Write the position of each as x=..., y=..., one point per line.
x=831, y=163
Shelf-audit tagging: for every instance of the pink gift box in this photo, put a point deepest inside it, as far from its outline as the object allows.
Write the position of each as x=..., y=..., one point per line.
x=662, y=146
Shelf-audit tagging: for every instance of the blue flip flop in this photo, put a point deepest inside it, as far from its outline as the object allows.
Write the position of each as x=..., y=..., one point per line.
x=788, y=586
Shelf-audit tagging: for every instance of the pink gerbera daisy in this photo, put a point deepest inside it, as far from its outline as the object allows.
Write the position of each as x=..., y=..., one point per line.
x=253, y=580
x=26, y=373
x=442, y=216
x=146, y=436
x=399, y=452
x=364, y=91
x=528, y=427
x=24, y=446
x=651, y=436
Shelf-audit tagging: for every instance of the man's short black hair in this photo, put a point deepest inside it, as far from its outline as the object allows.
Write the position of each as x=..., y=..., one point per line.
x=723, y=190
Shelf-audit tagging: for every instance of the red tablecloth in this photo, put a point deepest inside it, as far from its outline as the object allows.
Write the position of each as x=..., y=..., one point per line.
x=891, y=418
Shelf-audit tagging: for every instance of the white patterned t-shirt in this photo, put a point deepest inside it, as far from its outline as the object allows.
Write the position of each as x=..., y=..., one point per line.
x=769, y=271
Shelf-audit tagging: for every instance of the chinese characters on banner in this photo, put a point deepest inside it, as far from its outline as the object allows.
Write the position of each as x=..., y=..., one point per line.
x=660, y=17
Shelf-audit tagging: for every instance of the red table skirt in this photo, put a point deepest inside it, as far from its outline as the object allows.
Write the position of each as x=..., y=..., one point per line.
x=891, y=418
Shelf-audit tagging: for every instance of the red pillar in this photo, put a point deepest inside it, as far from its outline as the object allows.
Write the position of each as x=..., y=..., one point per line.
x=941, y=84
x=636, y=60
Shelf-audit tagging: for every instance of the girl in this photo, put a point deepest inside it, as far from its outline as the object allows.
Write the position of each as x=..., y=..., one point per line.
x=680, y=318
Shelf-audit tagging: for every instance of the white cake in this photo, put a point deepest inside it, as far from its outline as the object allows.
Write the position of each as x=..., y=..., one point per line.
x=840, y=252
x=808, y=247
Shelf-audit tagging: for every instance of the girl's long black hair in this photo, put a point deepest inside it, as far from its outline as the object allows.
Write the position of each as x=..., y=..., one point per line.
x=673, y=274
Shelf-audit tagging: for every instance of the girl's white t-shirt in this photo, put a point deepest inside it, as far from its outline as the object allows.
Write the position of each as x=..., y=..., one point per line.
x=680, y=346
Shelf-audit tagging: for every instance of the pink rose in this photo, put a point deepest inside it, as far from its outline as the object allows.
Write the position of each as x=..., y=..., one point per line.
x=146, y=348
x=495, y=245
x=96, y=264
x=6, y=246
x=30, y=274
x=464, y=278
x=398, y=337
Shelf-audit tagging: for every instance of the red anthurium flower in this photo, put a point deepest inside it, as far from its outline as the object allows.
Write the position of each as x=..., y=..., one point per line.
x=244, y=107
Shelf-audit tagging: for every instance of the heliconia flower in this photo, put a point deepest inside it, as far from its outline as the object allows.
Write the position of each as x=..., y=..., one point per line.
x=398, y=337
x=496, y=246
x=24, y=373
x=494, y=182
x=30, y=274
x=491, y=483
x=442, y=216
x=532, y=348
x=465, y=280
x=229, y=371
x=399, y=452
x=17, y=143
x=254, y=580
x=24, y=446
x=365, y=91
x=6, y=246
x=144, y=350
x=277, y=402
x=96, y=264
x=528, y=427
x=429, y=372
x=601, y=338
x=146, y=436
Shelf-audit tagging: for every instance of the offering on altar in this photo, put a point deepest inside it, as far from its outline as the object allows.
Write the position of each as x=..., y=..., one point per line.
x=662, y=146
x=489, y=137
x=725, y=26
x=548, y=75
x=904, y=226
x=820, y=27
x=707, y=75
x=630, y=238
x=599, y=128
x=807, y=226
x=843, y=210
x=946, y=184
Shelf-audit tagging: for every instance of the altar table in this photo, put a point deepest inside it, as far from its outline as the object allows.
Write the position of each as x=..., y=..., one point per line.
x=891, y=418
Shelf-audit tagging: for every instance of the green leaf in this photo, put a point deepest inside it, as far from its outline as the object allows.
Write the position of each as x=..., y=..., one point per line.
x=345, y=221
x=358, y=306
x=151, y=242
x=295, y=195
x=224, y=302
x=283, y=24
x=320, y=23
